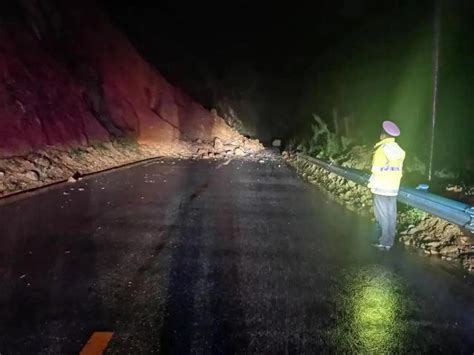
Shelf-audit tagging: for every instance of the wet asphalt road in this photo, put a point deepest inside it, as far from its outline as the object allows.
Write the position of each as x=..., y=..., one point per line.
x=200, y=257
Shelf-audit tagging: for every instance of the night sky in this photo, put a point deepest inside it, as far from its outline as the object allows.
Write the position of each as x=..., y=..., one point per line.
x=276, y=64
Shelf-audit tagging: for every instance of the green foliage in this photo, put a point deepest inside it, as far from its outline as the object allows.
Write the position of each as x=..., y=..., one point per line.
x=76, y=152
x=323, y=143
x=413, y=216
x=128, y=143
x=293, y=144
x=100, y=146
x=414, y=164
x=346, y=142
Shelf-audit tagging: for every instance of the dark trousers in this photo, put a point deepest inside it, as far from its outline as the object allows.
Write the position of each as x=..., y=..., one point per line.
x=385, y=210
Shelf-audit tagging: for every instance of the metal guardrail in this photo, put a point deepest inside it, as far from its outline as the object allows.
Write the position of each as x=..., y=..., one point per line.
x=452, y=211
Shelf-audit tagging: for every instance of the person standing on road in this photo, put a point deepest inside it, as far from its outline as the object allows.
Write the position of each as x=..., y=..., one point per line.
x=387, y=165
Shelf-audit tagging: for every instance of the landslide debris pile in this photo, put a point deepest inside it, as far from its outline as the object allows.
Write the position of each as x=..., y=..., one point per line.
x=431, y=234
x=76, y=97
x=47, y=166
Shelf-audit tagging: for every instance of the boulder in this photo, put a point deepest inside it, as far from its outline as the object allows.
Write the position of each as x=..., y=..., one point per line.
x=432, y=245
x=449, y=250
x=218, y=144
x=239, y=152
x=32, y=175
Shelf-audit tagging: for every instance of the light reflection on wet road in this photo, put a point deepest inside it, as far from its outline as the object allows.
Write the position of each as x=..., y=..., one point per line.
x=199, y=257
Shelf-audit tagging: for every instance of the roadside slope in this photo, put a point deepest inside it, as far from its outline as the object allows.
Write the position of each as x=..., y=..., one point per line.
x=71, y=82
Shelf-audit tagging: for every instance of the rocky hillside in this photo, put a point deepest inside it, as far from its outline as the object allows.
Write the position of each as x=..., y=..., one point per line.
x=70, y=80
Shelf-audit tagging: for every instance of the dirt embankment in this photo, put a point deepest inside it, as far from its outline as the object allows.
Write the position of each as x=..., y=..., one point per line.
x=416, y=228
x=76, y=97
x=51, y=165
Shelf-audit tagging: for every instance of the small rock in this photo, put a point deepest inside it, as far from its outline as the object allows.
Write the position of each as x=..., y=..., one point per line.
x=239, y=152
x=202, y=152
x=108, y=145
x=2, y=174
x=229, y=149
x=80, y=189
x=32, y=175
x=454, y=188
x=218, y=144
x=77, y=175
x=449, y=249
x=276, y=143
x=464, y=240
x=71, y=179
x=432, y=245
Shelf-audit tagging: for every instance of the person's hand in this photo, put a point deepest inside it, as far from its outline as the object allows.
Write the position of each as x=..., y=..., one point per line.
x=370, y=180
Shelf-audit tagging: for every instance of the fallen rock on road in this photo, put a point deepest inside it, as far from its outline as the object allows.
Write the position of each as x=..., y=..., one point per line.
x=51, y=165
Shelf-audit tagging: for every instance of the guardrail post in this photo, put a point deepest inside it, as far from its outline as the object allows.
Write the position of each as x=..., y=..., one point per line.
x=470, y=212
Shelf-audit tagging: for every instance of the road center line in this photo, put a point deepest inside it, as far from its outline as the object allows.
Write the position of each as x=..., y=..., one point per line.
x=97, y=343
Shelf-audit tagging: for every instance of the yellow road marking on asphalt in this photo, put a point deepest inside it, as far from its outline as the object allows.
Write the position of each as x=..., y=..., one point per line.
x=97, y=343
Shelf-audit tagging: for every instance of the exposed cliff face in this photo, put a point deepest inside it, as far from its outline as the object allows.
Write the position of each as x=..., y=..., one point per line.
x=68, y=78
x=40, y=103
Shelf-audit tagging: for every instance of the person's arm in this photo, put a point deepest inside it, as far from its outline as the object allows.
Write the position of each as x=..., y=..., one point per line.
x=371, y=178
x=379, y=159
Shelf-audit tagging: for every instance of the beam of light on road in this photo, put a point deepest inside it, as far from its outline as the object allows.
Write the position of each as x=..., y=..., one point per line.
x=377, y=312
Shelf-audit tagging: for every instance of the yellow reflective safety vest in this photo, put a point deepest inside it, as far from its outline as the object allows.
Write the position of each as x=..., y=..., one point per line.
x=387, y=167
